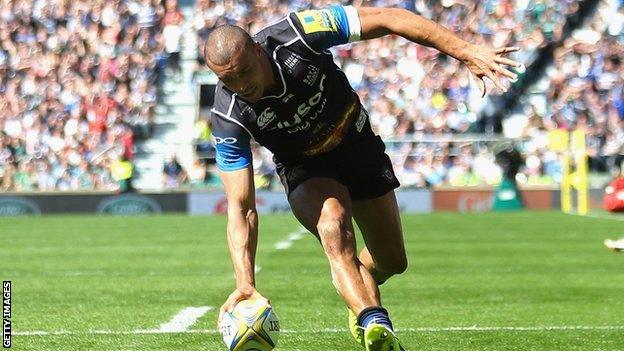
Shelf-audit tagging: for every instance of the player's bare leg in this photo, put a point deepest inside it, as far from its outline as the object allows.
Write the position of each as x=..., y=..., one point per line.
x=380, y=223
x=384, y=254
x=323, y=206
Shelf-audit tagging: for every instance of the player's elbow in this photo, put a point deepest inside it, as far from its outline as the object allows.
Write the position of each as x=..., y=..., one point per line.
x=379, y=21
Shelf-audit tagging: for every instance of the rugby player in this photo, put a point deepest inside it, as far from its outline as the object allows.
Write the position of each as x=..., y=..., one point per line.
x=282, y=89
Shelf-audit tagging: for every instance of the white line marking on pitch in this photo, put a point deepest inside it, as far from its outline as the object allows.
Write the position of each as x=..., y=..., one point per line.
x=338, y=330
x=181, y=321
x=606, y=216
x=290, y=239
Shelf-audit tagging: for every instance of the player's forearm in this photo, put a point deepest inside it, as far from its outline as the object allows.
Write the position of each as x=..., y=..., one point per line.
x=377, y=22
x=243, y=241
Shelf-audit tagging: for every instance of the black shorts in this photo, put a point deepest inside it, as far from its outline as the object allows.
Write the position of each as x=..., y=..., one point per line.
x=359, y=163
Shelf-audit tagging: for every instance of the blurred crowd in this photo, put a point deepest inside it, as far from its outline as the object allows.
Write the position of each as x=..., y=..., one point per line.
x=584, y=90
x=79, y=84
x=77, y=87
x=415, y=93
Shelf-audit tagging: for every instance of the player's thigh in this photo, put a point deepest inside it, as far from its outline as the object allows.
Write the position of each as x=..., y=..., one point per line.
x=322, y=206
x=380, y=222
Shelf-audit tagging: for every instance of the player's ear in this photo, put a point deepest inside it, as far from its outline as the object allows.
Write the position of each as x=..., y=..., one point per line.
x=257, y=48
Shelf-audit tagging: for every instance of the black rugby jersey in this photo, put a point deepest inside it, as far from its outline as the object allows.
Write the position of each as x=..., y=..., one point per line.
x=315, y=107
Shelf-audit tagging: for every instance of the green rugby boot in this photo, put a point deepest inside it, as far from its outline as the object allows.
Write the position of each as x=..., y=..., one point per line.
x=379, y=338
x=355, y=329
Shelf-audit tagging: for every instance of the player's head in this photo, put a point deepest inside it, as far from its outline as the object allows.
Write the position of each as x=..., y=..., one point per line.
x=238, y=61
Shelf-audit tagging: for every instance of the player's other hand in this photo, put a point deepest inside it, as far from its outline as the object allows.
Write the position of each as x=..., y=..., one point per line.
x=238, y=295
x=483, y=61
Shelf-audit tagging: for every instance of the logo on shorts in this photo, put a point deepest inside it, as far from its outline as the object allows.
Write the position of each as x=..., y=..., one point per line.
x=296, y=172
x=265, y=118
x=388, y=173
x=359, y=124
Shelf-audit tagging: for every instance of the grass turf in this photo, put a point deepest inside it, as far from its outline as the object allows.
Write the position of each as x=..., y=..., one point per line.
x=121, y=274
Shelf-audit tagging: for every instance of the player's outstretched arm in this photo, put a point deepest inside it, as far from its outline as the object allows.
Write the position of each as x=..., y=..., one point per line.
x=242, y=233
x=482, y=61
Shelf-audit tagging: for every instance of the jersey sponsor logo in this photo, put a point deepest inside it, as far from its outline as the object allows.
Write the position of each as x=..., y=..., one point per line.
x=304, y=108
x=292, y=61
x=265, y=118
x=300, y=128
x=288, y=97
x=314, y=21
x=311, y=76
x=228, y=140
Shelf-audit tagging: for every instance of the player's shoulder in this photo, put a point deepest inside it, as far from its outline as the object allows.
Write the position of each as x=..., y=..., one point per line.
x=277, y=33
x=228, y=108
x=224, y=100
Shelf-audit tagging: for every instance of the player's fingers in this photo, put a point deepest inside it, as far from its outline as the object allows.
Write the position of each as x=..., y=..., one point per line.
x=234, y=300
x=507, y=49
x=230, y=306
x=259, y=296
x=505, y=72
x=506, y=61
x=496, y=81
x=221, y=314
x=480, y=84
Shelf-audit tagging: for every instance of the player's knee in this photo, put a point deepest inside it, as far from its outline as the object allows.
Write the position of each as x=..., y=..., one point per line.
x=335, y=238
x=328, y=228
x=397, y=265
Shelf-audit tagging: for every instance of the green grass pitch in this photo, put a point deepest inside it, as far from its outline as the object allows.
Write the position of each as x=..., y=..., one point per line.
x=525, y=281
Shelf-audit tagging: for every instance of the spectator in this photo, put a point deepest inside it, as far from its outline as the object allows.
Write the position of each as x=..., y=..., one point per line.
x=173, y=174
x=203, y=137
x=197, y=174
x=122, y=172
x=172, y=33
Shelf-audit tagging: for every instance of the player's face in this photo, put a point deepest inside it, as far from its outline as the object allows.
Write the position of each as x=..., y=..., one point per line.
x=245, y=75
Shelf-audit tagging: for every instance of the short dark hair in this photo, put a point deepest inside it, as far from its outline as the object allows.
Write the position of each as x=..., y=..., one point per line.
x=223, y=42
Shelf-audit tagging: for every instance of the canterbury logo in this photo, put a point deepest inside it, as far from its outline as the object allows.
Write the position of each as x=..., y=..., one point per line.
x=265, y=118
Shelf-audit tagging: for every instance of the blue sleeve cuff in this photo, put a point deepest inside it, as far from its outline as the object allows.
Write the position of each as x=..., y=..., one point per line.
x=334, y=25
x=231, y=157
x=342, y=22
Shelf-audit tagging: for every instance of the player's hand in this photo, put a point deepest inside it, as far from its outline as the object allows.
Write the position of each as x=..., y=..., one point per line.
x=483, y=61
x=240, y=294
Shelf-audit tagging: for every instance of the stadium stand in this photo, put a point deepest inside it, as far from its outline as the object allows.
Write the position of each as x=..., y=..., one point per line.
x=78, y=86
x=582, y=88
x=79, y=83
x=414, y=93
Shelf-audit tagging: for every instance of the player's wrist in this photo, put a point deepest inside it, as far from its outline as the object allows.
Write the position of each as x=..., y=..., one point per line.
x=463, y=52
x=246, y=288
